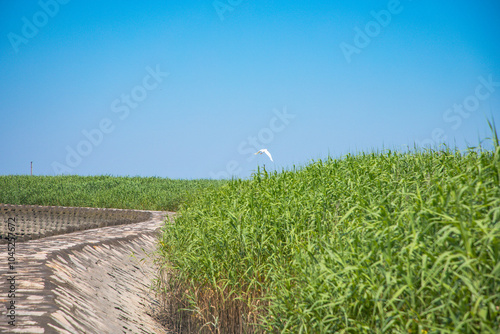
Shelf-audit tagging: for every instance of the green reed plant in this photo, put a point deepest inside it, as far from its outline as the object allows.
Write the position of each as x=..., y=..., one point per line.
x=370, y=243
x=148, y=193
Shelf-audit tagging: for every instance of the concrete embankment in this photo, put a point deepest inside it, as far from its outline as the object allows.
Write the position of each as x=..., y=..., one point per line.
x=92, y=281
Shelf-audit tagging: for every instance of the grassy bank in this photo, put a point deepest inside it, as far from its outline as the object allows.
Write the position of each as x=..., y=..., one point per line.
x=151, y=193
x=371, y=243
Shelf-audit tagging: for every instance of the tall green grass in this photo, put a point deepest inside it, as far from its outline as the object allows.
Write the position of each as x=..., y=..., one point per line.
x=146, y=193
x=370, y=243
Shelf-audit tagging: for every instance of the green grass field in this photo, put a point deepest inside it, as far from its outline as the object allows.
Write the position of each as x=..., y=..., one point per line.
x=150, y=193
x=369, y=243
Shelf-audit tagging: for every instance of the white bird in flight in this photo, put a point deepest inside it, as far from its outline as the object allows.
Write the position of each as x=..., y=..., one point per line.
x=266, y=152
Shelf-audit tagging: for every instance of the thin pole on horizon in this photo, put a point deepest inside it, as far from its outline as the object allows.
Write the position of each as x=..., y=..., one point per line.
x=32, y=168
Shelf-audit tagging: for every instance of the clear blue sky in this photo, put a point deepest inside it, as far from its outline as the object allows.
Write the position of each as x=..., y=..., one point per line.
x=190, y=89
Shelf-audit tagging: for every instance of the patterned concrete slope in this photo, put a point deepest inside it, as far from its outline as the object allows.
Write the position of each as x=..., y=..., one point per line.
x=92, y=281
x=30, y=222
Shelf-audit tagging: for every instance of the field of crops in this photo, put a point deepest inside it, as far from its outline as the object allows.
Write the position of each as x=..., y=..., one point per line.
x=138, y=193
x=369, y=243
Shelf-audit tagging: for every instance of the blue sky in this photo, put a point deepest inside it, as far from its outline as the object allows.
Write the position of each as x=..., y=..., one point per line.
x=190, y=89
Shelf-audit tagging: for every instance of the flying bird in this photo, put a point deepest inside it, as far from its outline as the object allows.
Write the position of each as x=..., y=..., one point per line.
x=266, y=152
